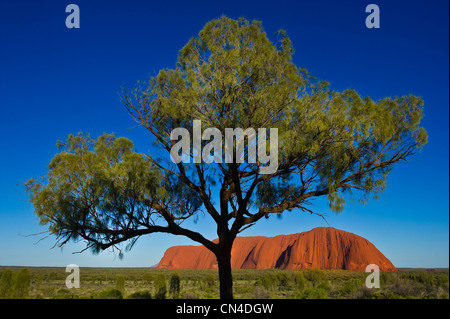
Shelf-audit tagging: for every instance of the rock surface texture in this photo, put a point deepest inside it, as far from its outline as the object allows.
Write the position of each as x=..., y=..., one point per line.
x=322, y=247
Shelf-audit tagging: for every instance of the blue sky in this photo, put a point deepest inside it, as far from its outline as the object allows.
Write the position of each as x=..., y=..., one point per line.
x=55, y=81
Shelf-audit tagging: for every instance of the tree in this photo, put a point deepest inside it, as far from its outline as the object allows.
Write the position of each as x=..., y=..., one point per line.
x=120, y=283
x=160, y=287
x=174, y=287
x=334, y=144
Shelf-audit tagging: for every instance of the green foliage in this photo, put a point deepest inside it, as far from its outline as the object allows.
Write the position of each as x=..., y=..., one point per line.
x=6, y=283
x=147, y=277
x=350, y=286
x=160, y=287
x=21, y=284
x=259, y=293
x=94, y=186
x=300, y=281
x=268, y=281
x=315, y=276
x=174, y=287
x=283, y=280
x=64, y=293
x=210, y=281
x=385, y=294
x=232, y=75
x=141, y=294
x=313, y=293
x=110, y=293
x=85, y=183
x=120, y=283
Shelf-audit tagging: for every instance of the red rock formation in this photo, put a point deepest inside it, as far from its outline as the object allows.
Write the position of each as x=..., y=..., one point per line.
x=322, y=247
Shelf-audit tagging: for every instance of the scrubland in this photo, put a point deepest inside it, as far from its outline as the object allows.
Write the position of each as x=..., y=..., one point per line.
x=149, y=283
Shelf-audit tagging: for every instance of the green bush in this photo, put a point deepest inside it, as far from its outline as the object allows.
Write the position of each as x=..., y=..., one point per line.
x=267, y=281
x=141, y=294
x=315, y=276
x=21, y=284
x=6, y=283
x=313, y=293
x=259, y=293
x=110, y=293
x=300, y=281
x=210, y=281
x=350, y=286
x=385, y=294
x=147, y=277
x=283, y=280
x=120, y=283
x=160, y=287
x=174, y=287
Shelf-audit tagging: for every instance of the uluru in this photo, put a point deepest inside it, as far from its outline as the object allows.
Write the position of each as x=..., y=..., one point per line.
x=322, y=247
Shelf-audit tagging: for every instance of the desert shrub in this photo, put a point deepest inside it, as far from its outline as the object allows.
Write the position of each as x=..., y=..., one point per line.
x=283, y=280
x=385, y=294
x=120, y=283
x=51, y=276
x=259, y=293
x=110, y=293
x=300, y=281
x=313, y=293
x=141, y=294
x=209, y=281
x=147, y=277
x=406, y=288
x=362, y=292
x=349, y=287
x=160, y=287
x=441, y=280
x=38, y=282
x=427, y=278
x=324, y=285
x=21, y=284
x=315, y=276
x=267, y=281
x=387, y=278
x=62, y=291
x=6, y=282
x=190, y=295
x=244, y=289
x=174, y=287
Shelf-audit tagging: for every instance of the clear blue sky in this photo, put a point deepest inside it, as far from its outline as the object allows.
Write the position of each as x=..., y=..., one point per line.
x=55, y=81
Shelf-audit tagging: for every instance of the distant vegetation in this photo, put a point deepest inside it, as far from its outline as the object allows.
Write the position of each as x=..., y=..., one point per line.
x=147, y=283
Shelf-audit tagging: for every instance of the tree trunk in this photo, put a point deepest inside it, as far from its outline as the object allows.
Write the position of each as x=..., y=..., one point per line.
x=225, y=276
